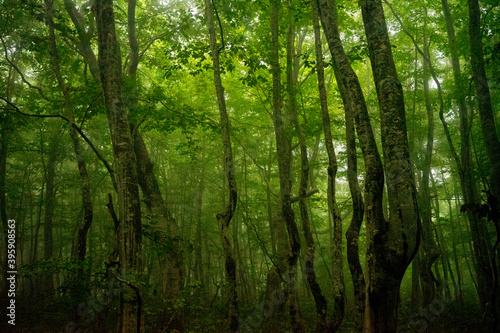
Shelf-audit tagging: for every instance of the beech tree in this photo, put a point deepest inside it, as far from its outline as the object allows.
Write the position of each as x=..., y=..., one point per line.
x=192, y=166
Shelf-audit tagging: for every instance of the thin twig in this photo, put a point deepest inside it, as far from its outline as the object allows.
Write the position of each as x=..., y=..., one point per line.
x=220, y=27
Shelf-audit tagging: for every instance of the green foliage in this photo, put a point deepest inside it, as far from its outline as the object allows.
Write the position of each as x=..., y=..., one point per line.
x=172, y=102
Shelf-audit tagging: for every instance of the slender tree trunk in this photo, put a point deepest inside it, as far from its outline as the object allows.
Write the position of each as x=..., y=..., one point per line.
x=468, y=184
x=352, y=234
x=225, y=217
x=80, y=247
x=485, y=107
x=392, y=245
x=428, y=248
x=283, y=147
x=490, y=136
x=321, y=304
x=130, y=227
x=339, y=306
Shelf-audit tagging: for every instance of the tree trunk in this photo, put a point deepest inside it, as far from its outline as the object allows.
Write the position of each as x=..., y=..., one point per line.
x=355, y=106
x=225, y=217
x=80, y=247
x=470, y=192
x=319, y=298
x=170, y=252
x=338, y=279
x=485, y=108
x=392, y=244
x=490, y=136
x=428, y=248
x=130, y=228
x=283, y=147
x=171, y=261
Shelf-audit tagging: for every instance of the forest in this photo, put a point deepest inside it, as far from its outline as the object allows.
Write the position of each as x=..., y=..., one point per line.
x=249, y=166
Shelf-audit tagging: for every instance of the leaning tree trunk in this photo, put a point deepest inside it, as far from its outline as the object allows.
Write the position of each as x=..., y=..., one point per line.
x=130, y=228
x=171, y=263
x=169, y=254
x=355, y=109
x=392, y=244
x=283, y=147
x=225, y=217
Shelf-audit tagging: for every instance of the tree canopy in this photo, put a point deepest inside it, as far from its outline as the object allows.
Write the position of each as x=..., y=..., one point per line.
x=250, y=166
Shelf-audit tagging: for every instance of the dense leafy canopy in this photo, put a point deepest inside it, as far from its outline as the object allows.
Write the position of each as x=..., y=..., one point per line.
x=172, y=102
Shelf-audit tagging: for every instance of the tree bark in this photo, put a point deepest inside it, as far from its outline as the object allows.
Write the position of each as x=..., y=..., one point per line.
x=392, y=244
x=283, y=147
x=338, y=279
x=130, y=227
x=225, y=216
x=355, y=108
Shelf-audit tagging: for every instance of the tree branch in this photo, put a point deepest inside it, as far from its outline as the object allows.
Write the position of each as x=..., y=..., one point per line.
x=23, y=78
x=78, y=129
x=220, y=27
x=308, y=194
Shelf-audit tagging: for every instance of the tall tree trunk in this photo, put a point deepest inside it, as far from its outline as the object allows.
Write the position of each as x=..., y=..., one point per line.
x=338, y=279
x=490, y=136
x=392, y=244
x=225, y=217
x=319, y=298
x=130, y=227
x=355, y=107
x=283, y=147
x=428, y=248
x=171, y=261
x=464, y=165
x=80, y=247
x=485, y=108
